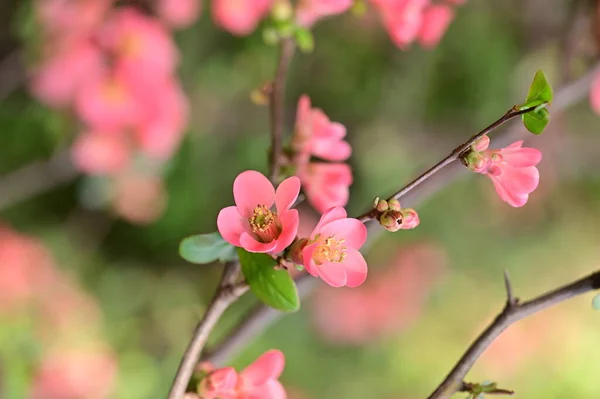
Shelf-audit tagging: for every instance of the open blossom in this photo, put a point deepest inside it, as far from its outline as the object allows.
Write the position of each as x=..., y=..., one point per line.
x=316, y=135
x=257, y=381
x=511, y=169
x=252, y=224
x=331, y=251
x=326, y=185
x=309, y=11
x=240, y=17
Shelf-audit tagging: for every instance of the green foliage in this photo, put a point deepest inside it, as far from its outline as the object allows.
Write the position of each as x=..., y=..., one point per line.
x=305, y=40
x=206, y=248
x=274, y=287
x=539, y=96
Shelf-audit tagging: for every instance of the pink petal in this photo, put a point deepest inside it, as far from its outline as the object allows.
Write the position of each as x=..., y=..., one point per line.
x=267, y=367
x=290, y=220
x=333, y=274
x=521, y=157
x=309, y=264
x=351, y=230
x=329, y=216
x=436, y=20
x=223, y=379
x=287, y=193
x=269, y=390
x=251, y=245
x=250, y=189
x=331, y=149
x=514, y=200
x=231, y=225
x=595, y=94
x=519, y=180
x=356, y=268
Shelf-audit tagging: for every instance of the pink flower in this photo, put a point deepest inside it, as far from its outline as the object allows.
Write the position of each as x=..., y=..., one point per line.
x=309, y=11
x=511, y=169
x=402, y=19
x=138, y=198
x=260, y=379
x=140, y=42
x=252, y=224
x=331, y=251
x=178, y=13
x=107, y=101
x=71, y=17
x=326, y=184
x=219, y=384
x=436, y=20
x=56, y=80
x=240, y=17
x=595, y=94
x=317, y=135
x=100, y=153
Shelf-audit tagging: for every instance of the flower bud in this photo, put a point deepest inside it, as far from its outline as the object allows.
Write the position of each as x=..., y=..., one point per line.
x=476, y=162
x=394, y=204
x=282, y=10
x=391, y=220
x=294, y=252
x=481, y=144
x=382, y=206
x=410, y=219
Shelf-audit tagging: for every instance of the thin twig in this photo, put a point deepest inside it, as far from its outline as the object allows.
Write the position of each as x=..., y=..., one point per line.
x=276, y=107
x=227, y=293
x=262, y=316
x=511, y=314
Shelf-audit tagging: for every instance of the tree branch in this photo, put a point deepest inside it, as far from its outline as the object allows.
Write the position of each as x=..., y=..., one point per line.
x=511, y=314
x=276, y=106
x=227, y=293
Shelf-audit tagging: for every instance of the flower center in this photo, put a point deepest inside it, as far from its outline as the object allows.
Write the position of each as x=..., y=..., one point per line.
x=330, y=250
x=264, y=224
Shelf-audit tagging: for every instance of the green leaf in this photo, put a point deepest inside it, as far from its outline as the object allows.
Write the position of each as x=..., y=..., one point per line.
x=274, y=287
x=305, y=40
x=596, y=302
x=206, y=248
x=540, y=91
x=537, y=120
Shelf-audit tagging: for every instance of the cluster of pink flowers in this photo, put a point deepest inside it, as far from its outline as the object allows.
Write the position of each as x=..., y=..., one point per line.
x=390, y=302
x=114, y=67
x=31, y=286
x=407, y=21
x=262, y=221
x=258, y=380
x=512, y=169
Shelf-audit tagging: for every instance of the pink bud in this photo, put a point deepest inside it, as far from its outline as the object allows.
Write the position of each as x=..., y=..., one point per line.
x=481, y=144
x=391, y=220
x=394, y=204
x=382, y=205
x=410, y=219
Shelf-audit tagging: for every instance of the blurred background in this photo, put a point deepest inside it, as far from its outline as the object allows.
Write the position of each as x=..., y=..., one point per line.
x=96, y=303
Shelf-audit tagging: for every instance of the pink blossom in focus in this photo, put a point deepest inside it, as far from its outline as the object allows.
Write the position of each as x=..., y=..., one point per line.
x=436, y=20
x=316, y=135
x=251, y=223
x=309, y=11
x=511, y=169
x=140, y=42
x=240, y=17
x=100, y=153
x=331, y=251
x=75, y=374
x=139, y=198
x=326, y=185
x=56, y=79
x=178, y=13
x=107, y=102
x=595, y=94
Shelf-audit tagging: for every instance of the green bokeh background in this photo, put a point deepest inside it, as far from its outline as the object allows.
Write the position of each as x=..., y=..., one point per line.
x=404, y=110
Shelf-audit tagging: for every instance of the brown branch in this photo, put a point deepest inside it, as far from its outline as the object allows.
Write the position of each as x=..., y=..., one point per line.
x=276, y=107
x=229, y=291
x=512, y=313
x=262, y=316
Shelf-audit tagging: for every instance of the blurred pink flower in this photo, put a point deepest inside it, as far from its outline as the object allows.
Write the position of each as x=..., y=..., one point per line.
x=251, y=224
x=316, y=135
x=178, y=13
x=331, y=251
x=56, y=79
x=309, y=11
x=100, y=153
x=511, y=169
x=141, y=43
x=139, y=198
x=326, y=185
x=107, y=102
x=402, y=19
x=389, y=302
x=595, y=94
x=436, y=20
x=71, y=17
x=76, y=373
x=240, y=17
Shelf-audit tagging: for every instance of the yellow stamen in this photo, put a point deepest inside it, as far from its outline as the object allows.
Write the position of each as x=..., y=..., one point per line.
x=264, y=224
x=330, y=250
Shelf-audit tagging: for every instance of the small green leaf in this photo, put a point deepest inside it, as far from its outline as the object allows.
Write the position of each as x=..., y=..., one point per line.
x=305, y=40
x=596, y=302
x=540, y=91
x=206, y=248
x=536, y=121
x=274, y=287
